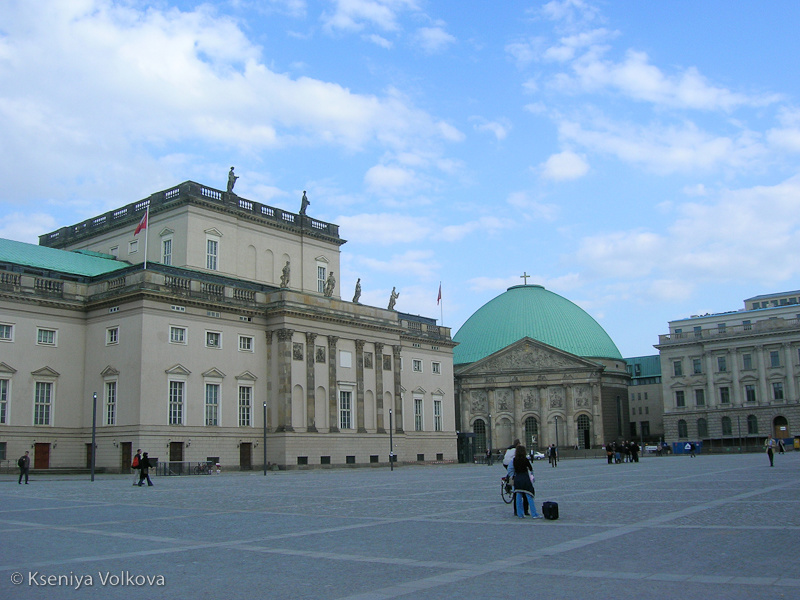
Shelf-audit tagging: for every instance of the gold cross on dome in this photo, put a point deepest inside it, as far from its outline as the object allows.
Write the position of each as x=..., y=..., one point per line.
x=525, y=276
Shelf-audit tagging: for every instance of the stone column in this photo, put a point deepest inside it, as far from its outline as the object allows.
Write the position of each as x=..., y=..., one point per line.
x=598, y=431
x=333, y=409
x=736, y=385
x=763, y=395
x=398, y=398
x=269, y=380
x=791, y=388
x=491, y=409
x=710, y=370
x=519, y=426
x=569, y=416
x=285, y=379
x=360, y=386
x=379, y=386
x=311, y=423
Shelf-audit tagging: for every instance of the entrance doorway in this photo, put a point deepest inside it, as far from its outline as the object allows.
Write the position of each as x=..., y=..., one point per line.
x=127, y=457
x=780, y=428
x=245, y=456
x=176, y=452
x=41, y=456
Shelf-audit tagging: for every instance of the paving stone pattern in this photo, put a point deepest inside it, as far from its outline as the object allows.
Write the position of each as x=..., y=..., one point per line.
x=723, y=527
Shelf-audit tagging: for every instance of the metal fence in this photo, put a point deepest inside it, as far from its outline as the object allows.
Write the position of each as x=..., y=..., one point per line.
x=171, y=467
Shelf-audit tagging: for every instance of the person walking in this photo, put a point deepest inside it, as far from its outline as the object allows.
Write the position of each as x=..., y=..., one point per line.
x=523, y=484
x=24, y=464
x=144, y=465
x=781, y=446
x=770, y=443
x=135, y=465
x=553, y=454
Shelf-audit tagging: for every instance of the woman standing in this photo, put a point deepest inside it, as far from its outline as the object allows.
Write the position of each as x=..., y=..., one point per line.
x=523, y=486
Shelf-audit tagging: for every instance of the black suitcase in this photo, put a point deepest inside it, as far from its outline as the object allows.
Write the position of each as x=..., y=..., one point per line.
x=550, y=510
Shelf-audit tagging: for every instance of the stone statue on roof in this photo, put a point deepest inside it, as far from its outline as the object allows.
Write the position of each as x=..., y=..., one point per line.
x=285, y=275
x=393, y=298
x=304, y=203
x=358, y=291
x=231, y=180
x=330, y=284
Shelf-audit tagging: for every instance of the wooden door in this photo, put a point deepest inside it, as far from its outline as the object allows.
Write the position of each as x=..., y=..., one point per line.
x=245, y=456
x=175, y=451
x=127, y=457
x=41, y=456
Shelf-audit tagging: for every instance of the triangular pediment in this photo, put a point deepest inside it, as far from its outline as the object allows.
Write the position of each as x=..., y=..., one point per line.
x=45, y=372
x=418, y=390
x=529, y=356
x=4, y=368
x=213, y=231
x=166, y=231
x=246, y=376
x=214, y=373
x=438, y=392
x=177, y=370
x=109, y=371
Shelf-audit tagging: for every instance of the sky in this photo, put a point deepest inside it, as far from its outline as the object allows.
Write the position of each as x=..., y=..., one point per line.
x=637, y=158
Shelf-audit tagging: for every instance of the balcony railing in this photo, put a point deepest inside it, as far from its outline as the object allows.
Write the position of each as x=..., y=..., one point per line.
x=712, y=333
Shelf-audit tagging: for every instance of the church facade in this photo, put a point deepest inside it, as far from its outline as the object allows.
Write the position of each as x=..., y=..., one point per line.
x=218, y=324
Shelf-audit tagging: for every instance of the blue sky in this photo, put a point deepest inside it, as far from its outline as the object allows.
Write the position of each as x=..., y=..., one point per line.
x=638, y=158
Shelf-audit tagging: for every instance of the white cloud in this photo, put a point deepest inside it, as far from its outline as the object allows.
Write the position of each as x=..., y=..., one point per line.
x=564, y=165
x=26, y=227
x=388, y=180
x=382, y=228
x=355, y=15
x=413, y=263
x=532, y=208
x=499, y=128
x=434, y=39
x=485, y=225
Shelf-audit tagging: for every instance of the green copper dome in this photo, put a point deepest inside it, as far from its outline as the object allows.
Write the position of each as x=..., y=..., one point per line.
x=531, y=311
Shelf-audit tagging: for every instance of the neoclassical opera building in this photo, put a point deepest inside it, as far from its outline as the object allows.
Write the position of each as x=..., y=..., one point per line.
x=532, y=365
x=213, y=325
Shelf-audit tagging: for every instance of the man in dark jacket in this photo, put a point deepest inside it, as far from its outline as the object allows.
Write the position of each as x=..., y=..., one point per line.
x=24, y=464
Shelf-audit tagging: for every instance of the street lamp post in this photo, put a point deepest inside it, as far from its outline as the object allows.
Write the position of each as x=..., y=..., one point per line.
x=556, y=418
x=264, y=443
x=391, y=443
x=489, y=456
x=94, y=430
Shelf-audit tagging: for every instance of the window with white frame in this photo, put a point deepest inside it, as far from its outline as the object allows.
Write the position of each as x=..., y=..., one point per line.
x=699, y=397
x=777, y=391
x=417, y=414
x=133, y=247
x=322, y=275
x=416, y=365
x=166, y=251
x=750, y=393
x=212, y=254
x=345, y=409
x=722, y=364
x=43, y=403
x=697, y=366
x=5, y=384
x=245, y=406
x=345, y=359
x=114, y=251
x=46, y=337
x=774, y=359
x=245, y=343
x=437, y=413
x=177, y=391
x=724, y=395
x=747, y=361
x=6, y=332
x=680, y=399
x=111, y=403
x=177, y=335
x=213, y=339
x=436, y=368
x=112, y=336
x=677, y=368
x=211, y=416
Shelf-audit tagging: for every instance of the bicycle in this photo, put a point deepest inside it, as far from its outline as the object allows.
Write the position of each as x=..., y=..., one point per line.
x=202, y=468
x=507, y=489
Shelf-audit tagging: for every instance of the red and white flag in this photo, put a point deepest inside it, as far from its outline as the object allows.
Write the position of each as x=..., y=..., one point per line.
x=439, y=298
x=143, y=223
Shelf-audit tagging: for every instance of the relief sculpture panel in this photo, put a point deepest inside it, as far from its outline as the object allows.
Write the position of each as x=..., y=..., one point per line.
x=583, y=396
x=529, y=399
x=556, y=395
x=479, y=401
x=505, y=400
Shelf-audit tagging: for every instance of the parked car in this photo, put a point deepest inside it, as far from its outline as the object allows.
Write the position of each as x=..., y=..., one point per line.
x=538, y=456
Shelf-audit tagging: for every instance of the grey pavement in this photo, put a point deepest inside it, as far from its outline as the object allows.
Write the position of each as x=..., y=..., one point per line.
x=671, y=527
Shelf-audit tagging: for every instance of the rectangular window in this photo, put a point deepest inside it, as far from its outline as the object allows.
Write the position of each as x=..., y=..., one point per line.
x=345, y=404
x=46, y=337
x=724, y=395
x=245, y=406
x=213, y=339
x=721, y=327
x=321, y=276
x=436, y=368
x=245, y=343
x=133, y=247
x=722, y=364
x=417, y=414
x=777, y=391
x=212, y=404
x=111, y=402
x=345, y=359
x=177, y=335
x=774, y=359
x=4, y=401
x=212, y=248
x=697, y=366
x=700, y=397
x=645, y=429
x=112, y=336
x=750, y=393
x=677, y=368
x=2, y=450
x=6, y=333
x=747, y=361
x=42, y=403
x=416, y=365
x=680, y=400
x=176, y=394
x=166, y=251
x=747, y=325
x=114, y=251
x=698, y=331
x=437, y=414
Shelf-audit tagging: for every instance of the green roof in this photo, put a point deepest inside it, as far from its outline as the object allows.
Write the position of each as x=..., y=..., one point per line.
x=62, y=261
x=531, y=311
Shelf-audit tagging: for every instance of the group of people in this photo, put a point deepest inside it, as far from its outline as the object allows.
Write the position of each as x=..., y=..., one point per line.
x=770, y=445
x=520, y=471
x=625, y=451
x=552, y=455
x=141, y=462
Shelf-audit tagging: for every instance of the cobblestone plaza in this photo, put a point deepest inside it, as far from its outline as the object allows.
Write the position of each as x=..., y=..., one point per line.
x=671, y=527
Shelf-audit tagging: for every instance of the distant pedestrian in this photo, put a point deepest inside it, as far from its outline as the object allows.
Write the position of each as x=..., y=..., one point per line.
x=24, y=464
x=769, y=444
x=691, y=450
x=635, y=451
x=135, y=465
x=781, y=446
x=553, y=455
x=610, y=453
x=144, y=465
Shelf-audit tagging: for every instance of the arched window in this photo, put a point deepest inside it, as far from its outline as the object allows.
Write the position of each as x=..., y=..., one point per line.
x=683, y=432
x=752, y=424
x=726, y=426
x=532, y=433
x=702, y=428
x=584, y=432
x=479, y=429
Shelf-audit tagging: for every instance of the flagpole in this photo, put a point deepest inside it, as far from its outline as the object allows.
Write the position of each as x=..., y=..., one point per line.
x=146, y=232
x=440, y=302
